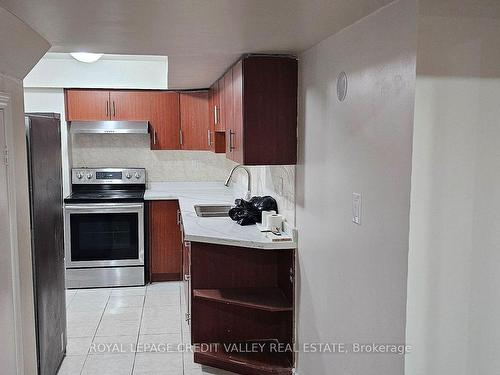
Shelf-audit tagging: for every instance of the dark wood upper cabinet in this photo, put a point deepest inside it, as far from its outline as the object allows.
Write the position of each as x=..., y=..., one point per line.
x=269, y=110
x=214, y=106
x=130, y=105
x=165, y=120
x=87, y=105
x=227, y=100
x=219, y=103
x=160, y=108
x=235, y=128
x=165, y=247
x=217, y=132
x=250, y=113
x=259, y=110
x=195, y=125
x=211, y=119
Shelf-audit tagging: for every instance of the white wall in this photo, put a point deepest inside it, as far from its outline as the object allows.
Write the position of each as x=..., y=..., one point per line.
x=454, y=260
x=18, y=53
x=111, y=71
x=352, y=279
x=10, y=324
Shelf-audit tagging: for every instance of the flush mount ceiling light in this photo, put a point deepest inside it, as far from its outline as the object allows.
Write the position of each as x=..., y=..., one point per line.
x=86, y=57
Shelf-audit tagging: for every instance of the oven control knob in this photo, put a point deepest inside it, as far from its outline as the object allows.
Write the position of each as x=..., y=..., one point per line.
x=128, y=175
x=137, y=175
x=89, y=176
x=79, y=175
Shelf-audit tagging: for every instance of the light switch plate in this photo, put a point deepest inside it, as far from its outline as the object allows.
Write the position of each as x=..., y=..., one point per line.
x=356, y=208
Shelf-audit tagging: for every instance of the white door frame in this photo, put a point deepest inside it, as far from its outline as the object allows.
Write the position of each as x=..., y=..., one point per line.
x=5, y=105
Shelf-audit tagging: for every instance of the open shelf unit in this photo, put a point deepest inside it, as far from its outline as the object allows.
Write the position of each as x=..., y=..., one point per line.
x=241, y=295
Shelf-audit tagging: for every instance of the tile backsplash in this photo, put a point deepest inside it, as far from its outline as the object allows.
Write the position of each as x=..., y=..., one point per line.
x=131, y=150
x=277, y=181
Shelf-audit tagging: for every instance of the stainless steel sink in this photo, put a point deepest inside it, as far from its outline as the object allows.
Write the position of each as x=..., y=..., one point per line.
x=212, y=210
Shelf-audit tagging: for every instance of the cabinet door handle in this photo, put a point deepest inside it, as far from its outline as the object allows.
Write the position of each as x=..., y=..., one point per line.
x=209, y=138
x=216, y=117
x=154, y=137
x=180, y=137
x=114, y=109
x=107, y=108
x=231, y=145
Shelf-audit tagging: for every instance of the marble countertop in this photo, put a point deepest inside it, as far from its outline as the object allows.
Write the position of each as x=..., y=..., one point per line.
x=216, y=230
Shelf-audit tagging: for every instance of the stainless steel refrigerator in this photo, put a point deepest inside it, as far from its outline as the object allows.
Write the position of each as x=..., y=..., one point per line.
x=43, y=136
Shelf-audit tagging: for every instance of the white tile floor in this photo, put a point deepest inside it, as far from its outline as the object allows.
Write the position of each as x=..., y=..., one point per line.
x=126, y=331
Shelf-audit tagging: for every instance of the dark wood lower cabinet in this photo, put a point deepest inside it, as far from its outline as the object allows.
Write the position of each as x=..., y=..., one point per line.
x=242, y=299
x=186, y=256
x=165, y=249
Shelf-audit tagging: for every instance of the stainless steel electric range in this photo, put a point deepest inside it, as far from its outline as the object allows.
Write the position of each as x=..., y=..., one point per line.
x=104, y=228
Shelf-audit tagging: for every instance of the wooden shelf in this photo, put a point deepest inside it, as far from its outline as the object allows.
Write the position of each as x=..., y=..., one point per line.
x=268, y=299
x=219, y=142
x=267, y=362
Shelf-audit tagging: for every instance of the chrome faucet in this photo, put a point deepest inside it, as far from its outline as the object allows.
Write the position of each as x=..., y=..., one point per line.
x=249, y=186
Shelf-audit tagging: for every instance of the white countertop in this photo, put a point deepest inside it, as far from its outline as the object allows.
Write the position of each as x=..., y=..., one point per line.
x=216, y=230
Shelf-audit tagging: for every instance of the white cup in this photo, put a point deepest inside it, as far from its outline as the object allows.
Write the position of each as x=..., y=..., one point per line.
x=265, y=215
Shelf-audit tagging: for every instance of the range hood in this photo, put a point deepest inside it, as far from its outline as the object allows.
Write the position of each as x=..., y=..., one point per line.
x=109, y=127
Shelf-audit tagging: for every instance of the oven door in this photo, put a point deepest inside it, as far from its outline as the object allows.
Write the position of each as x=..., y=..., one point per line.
x=104, y=235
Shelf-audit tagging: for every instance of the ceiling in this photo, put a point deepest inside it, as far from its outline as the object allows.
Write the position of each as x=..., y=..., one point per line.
x=200, y=37
x=14, y=61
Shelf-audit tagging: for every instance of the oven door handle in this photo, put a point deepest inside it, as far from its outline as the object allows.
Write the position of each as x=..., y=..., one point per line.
x=99, y=207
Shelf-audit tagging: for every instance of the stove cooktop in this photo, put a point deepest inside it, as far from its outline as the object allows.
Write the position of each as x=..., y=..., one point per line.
x=107, y=196
x=107, y=185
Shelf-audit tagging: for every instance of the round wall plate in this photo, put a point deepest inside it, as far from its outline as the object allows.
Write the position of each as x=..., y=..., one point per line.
x=342, y=86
